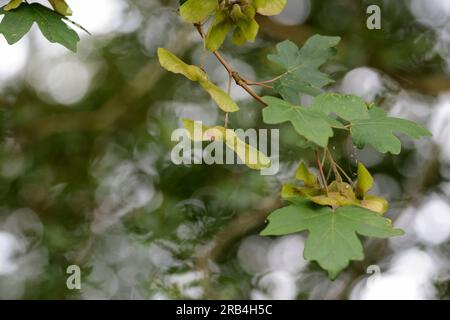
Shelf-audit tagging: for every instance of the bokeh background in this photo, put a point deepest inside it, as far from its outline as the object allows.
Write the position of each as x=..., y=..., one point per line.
x=86, y=176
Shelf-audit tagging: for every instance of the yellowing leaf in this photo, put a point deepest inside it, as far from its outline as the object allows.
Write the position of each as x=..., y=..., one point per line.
x=375, y=203
x=303, y=174
x=13, y=4
x=252, y=157
x=365, y=181
x=194, y=11
x=173, y=64
x=61, y=6
x=269, y=7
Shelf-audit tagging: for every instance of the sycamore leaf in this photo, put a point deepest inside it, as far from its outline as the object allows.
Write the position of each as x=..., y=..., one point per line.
x=310, y=124
x=269, y=7
x=301, y=66
x=16, y=23
x=303, y=174
x=378, y=130
x=252, y=157
x=348, y=107
x=174, y=64
x=194, y=11
x=333, y=235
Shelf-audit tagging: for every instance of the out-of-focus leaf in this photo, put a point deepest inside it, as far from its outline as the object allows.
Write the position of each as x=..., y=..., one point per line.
x=174, y=64
x=269, y=7
x=378, y=131
x=332, y=240
x=194, y=11
x=252, y=157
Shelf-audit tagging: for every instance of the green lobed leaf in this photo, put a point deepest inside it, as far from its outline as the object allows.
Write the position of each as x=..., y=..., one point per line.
x=333, y=235
x=378, y=130
x=312, y=125
x=301, y=66
x=174, y=64
x=16, y=23
x=194, y=11
x=348, y=107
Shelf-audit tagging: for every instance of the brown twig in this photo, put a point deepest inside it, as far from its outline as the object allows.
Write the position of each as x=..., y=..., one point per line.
x=322, y=175
x=233, y=73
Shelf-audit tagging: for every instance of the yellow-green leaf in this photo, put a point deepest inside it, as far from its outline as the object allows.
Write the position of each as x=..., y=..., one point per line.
x=217, y=34
x=249, y=28
x=238, y=38
x=61, y=7
x=194, y=11
x=269, y=7
x=174, y=64
x=303, y=174
x=375, y=203
x=252, y=157
x=13, y=4
x=365, y=181
x=222, y=99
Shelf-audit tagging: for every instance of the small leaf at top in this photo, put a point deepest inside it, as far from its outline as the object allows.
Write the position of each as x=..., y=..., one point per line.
x=333, y=235
x=61, y=6
x=378, y=130
x=301, y=66
x=194, y=11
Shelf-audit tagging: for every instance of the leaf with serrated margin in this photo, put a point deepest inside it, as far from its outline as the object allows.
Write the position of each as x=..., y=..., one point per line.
x=333, y=235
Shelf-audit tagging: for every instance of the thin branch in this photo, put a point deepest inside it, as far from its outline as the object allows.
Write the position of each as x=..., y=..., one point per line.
x=233, y=73
x=260, y=84
x=333, y=165
x=322, y=175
